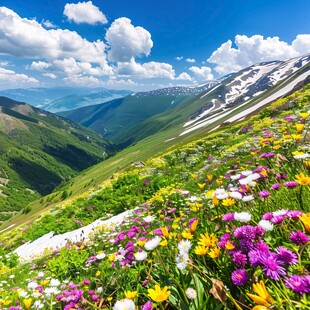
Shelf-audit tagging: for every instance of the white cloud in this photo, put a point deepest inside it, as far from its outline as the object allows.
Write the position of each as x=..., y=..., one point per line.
x=39, y=65
x=120, y=82
x=147, y=70
x=179, y=58
x=127, y=41
x=50, y=75
x=84, y=12
x=251, y=50
x=184, y=77
x=202, y=73
x=79, y=80
x=190, y=60
x=48, y=24
x=15, y=79
x=4, y=63
x=29, y=39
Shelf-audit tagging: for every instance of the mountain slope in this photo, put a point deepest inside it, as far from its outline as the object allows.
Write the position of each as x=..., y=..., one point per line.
x=39, y=150
x=116, y=117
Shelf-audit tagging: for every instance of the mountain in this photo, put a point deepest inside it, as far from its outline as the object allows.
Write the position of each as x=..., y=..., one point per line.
x=63, y=98
x=115, y=117
x=39, y=150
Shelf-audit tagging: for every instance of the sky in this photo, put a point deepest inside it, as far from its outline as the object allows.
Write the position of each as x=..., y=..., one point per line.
x=144, y=44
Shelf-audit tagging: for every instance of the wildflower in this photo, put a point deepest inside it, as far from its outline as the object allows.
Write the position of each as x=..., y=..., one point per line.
x=239, y=259
x=305, y=218
x=214, y=252
x=299, y=238
x=290, y=184
x=265, y=225
x=86, y=282
x=215, y=201
x=299, y=127
x=158, y=294
x=190, y=293
x=54, y=282
x=264, y=193
x=182, y=260
x=263, y=298
x=140, y=256
x=229, y=245
x=304, y=115
x=187, y=234
x=149, y=219
x=152, y=243
x=207, y=240
x=184, y=246
x=272, y=266
x=27, y=303
x=201, y=250
x=201, y=185
x=302, y=179
x=164, y=242
x=306, y=164
x=242, y=217
x=228, y=217
x=192, y=223
x=239, y=277
x=228, y=202
x=286, y=255
x=276, y=186
x=98, y=273
x=235, y=195
x=281, y=176
x=247, y=198
x=147, y=306
x=124, y=304
x=131, y=294
x=299, y=284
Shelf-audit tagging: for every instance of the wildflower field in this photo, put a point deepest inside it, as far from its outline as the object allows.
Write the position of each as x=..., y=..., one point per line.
x=222, y=222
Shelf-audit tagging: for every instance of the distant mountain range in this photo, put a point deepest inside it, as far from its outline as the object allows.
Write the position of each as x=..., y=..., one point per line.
x=63, y=98
x=39, y=150
x=186, y=109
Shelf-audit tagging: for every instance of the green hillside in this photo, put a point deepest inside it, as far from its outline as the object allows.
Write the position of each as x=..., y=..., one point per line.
x=38, y=151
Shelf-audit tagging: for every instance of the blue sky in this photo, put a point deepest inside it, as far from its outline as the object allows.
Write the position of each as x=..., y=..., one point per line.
x=141, y=45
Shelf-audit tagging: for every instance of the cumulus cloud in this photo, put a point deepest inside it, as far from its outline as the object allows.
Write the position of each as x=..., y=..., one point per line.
x=50, y=75
x=48, y=24
x=127, y=41
x=15, y=79
x=179, y=58
x=250, y=50
x=82, y=80
x=147, y=70
x=29, y=39
x=120, y=82
x=190, y=60
x=202, y=73
x=184, y=77
x=39, y=65
x=84, y=12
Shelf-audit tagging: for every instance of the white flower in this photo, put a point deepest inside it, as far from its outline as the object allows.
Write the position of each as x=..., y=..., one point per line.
x=242, y=217
x=235, y=195
x=12, y=276
x=32, y=285
x=221, y=193
x=192, y=199
x=266, y=225
x=38, y=304
x=101, y=256
x=302, y=156
x=246, y=172
x=40, y=274
x=149, y=218
x=191, y=293
x=184, y=246
x=182, y=261
x=99, y=289
x=51, y=291
x=54, y=282
x=235, y=177
x=152, y=243
x=279, y=212
x=124, y=304
x=140, y=256
x=248, y=198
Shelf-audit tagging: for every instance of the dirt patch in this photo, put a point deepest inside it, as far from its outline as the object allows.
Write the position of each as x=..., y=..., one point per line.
x=4, y=181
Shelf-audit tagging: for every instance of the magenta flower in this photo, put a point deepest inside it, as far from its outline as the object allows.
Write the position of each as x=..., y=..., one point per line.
x=264, y=193
x=86, y=282
x=147, y=306
x=281, y=176
x=239, y=277
x=228, y=217
x=299, y=238
x=299, y=284
x=239, y=259
x=290, y=184
x=286, y=255
x=272, y=266
x=276, y=186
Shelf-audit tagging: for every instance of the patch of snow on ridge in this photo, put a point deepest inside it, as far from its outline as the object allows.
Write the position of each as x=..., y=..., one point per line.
x=204, y=113
x=211, y=90
x=35, y=249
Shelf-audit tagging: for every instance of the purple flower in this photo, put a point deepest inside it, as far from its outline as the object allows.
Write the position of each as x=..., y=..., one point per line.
x=239, y=277
x=286, y=255
x=294, y=214
x=147, y=306
x=228, y=217
x=290, y=184
x=299, y=238
x=254, y=258
x=261, y=246
x=299, y=284
x=264, y=193
x=239, y=259
x=281, y=176
x=267, y=216
x=86, y=282
x=276, y=186
x=224, y=239
x=266, y=155
x=95, y=297
x=272, y=266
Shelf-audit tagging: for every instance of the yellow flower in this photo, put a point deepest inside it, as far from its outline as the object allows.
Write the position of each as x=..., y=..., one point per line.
x=215, y=201
x=186, y=234
x=304, y=115
x=228, y=202
x=296, y=137
x=164, y=242
x=5, y=302
x=214, y=252
x=201, y=250
x=210, y=176
x=98, y=273
x=306, y=164
x=141, y=243
x=264, y=173
x=201, y=185
x=299, y=127
x=131, y=294
x=207, y=240
x=276, y=147
x=209, y=194
x=194, y=175
x=263, y=298
x=302, y=179
x=158, y=294
x=165, y=232
x=229, y=246
x=112, y=257
x=305, y=218
x=44, y=282
x=219, y=182
x=109, y=298
x=193, y=226
x=27, y=303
